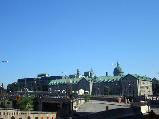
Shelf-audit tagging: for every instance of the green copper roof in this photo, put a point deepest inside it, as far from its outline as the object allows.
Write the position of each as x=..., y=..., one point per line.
x=95, y=80
x=140, y=77
x=67, y=80
x=108, y=78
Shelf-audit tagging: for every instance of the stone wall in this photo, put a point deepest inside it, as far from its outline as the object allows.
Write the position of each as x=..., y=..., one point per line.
x=16, y=114
x=78, y=103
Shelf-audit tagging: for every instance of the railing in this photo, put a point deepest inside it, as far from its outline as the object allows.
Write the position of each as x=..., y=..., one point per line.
x=31, y=112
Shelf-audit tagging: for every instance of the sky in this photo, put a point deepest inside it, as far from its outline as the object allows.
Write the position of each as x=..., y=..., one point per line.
x=55, y=36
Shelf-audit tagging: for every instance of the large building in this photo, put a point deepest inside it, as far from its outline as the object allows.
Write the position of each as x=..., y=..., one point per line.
x=107, y=85
x=40, y=83
x=135, y=85
x=119, y=84
x=77, y=84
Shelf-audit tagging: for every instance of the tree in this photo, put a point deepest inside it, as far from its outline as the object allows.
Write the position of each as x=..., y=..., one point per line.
x=12, y=87
x=35, y=104
x=86, y=98
x=26, y=103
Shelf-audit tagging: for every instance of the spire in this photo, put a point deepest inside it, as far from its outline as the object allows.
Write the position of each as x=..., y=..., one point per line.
x=78, y=73
x=91, y=69
x=91, y=73
x=117, y=64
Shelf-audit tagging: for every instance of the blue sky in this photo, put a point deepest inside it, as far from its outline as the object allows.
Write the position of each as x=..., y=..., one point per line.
x=57, y=36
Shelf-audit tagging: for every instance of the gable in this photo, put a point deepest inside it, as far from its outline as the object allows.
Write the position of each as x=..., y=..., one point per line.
x=83, y=80
x=129, y=77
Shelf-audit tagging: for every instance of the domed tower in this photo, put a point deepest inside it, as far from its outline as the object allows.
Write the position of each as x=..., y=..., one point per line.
x=118, y=70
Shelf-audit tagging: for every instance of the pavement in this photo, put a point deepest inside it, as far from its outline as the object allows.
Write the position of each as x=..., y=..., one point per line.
x=97, y=106
x=156, y=110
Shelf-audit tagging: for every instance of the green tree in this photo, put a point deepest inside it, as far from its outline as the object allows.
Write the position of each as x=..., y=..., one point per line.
x=35, y=104
x=26, y=103
x=87, y=98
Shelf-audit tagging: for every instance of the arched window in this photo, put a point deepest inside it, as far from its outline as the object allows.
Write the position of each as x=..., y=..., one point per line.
x=29, y=117
x=12, y=117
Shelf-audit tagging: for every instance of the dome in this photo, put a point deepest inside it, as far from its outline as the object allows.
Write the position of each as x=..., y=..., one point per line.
x=118, y=70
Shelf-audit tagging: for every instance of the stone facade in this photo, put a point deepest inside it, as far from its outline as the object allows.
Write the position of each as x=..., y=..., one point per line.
x=135, y=85
x=119, y=84
x=16, y=114
x=107, y=85
x=40, y=83
x=103, y=85
x=76, y=84
x=155, y=86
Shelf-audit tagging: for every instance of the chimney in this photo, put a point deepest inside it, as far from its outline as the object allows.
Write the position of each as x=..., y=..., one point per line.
x=106, y=73
x=2, y=85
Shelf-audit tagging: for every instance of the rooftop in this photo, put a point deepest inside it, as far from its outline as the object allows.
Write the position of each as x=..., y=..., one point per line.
x=68, y=80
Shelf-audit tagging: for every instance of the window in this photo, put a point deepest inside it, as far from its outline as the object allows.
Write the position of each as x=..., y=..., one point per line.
x=12, y=117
